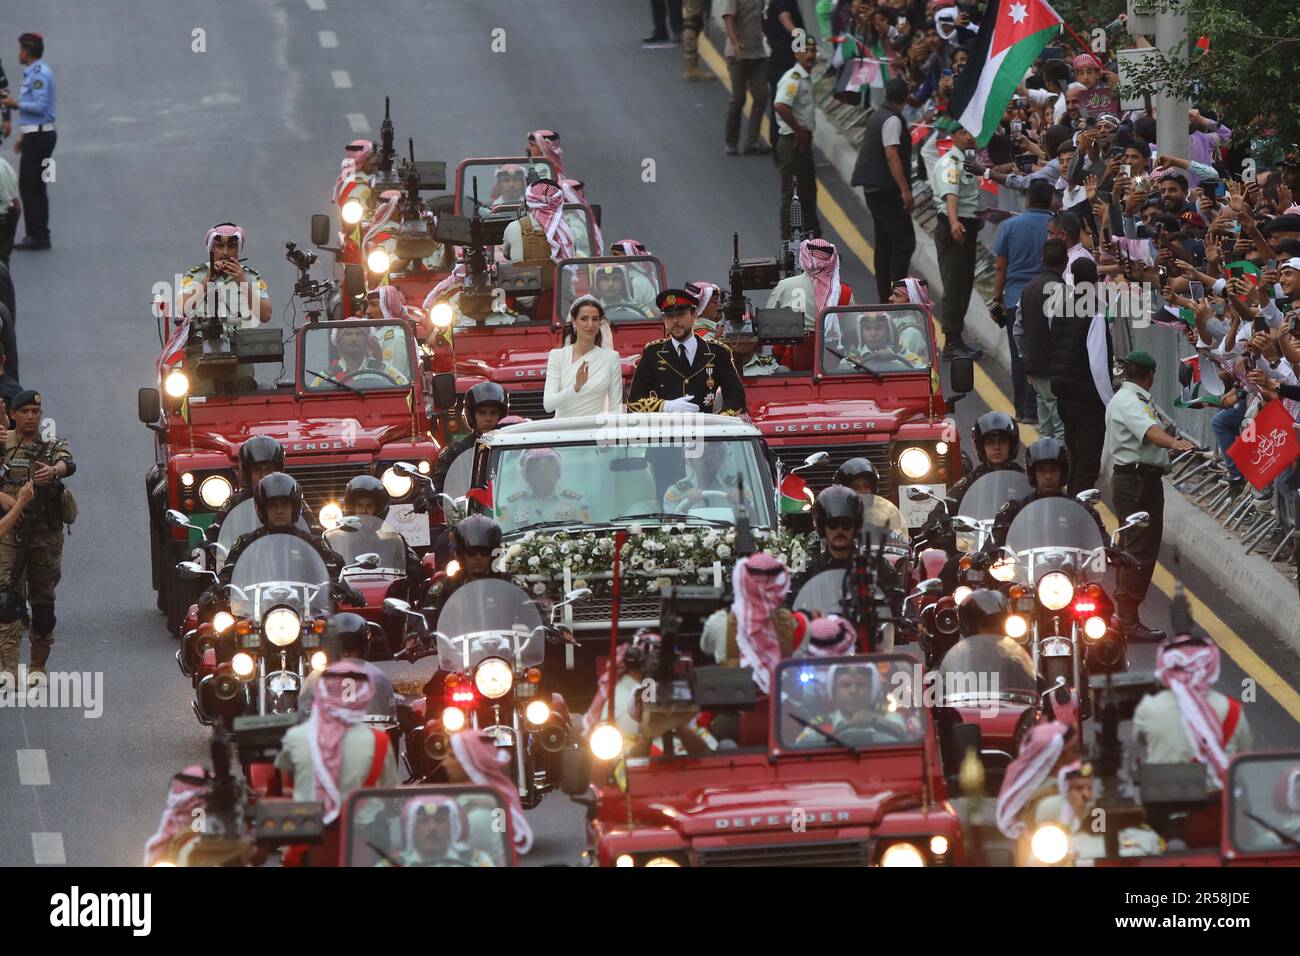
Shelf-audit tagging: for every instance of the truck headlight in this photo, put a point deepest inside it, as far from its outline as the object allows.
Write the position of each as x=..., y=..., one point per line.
x=1050, y=844
x=377, y=261
x=1055, y=590
x=606, y=742
x=330, y=515
x=215, y=491
x=176, y=384
x=281, y=626
x=915, y=463
x=441, y=315
x=396, y=484
x=494, y=678
x=662, y=861
x=352, y=212
x=902, y=854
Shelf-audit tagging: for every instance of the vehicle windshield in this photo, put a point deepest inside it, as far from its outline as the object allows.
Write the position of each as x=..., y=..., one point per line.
x=982, y=667
x=636, y=479
x=280, y=569
x=880, y=342
x=1264, y=803
x=858, y=701
x=427, y=826
x=625, y=285
x=1056, y=533
x=367, y=357
x=240, y=520
x=500, y=183
x=489, y=618
x=982, y=502
x=366, y=534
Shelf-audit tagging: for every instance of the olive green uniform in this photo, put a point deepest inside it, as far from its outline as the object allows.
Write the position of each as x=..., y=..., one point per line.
x=42, y=526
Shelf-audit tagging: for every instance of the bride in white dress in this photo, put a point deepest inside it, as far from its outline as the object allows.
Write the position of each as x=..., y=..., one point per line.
x=584, y=376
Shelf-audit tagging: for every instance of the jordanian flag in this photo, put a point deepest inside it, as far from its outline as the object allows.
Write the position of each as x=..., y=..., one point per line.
x=1012, y=34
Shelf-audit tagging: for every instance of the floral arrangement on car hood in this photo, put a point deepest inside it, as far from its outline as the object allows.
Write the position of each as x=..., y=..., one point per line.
x=652, y=559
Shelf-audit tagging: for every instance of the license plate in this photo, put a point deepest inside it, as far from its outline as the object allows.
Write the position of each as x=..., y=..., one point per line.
x=915, y=513
x=411, y=526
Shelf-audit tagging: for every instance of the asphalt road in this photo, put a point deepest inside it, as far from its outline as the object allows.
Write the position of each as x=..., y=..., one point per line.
x=158, y=141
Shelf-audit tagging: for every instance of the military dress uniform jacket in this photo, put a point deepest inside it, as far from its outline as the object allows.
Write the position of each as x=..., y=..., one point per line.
x=661, y=376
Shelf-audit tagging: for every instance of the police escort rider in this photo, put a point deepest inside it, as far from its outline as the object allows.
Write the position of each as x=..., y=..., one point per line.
x=482, y=410
x=31, y=554
x=347, y=638
x=997, y=443
x=1047, y=465
x=366, y=495
x=859, y=475
x=259, y=456
x=837, y=517
x=475, y=543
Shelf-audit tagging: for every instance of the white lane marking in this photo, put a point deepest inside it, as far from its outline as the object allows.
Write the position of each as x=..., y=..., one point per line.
x=315, y=4
x=33, y=768
x=341, y=79
x=328, y=39
x=358, y=123
x=47, y=848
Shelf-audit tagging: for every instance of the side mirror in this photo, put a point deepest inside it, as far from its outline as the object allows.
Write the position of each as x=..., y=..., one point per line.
x=320, y=230
x=930, y=586
x=444, y=390
x=396, y=606
x=575, y=771
x=964, y=525
x=350, y=523
x=1088, y=497
x=192, y=571
x=149, y=405
x=177, y=519
x=816, y=458
x=577, y=594
x=354, y=280
x=918, y=494
x=595, y=212
x=1138, y=519
x=366, y=562
x=961, y=376
x=407, y=469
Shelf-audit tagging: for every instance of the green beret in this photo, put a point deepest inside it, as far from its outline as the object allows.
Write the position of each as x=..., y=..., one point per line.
x=1139, y=359
x=24, y=398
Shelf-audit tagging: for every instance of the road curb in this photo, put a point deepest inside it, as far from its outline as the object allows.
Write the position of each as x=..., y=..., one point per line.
x=1251, y=582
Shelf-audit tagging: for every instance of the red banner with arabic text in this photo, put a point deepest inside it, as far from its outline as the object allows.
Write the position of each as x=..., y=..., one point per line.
x=1267, y=446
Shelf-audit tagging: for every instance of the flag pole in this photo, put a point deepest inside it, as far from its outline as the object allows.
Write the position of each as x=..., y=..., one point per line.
x=1086, y=48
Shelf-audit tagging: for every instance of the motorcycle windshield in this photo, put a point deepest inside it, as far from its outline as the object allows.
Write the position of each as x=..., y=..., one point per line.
x=1056, y=534
x=241, y=520
x=823, y=592
x=489, y=618
x=457, y=481
x=372, y=537
x=985, y=666
x=280, y=569
x=986, y=496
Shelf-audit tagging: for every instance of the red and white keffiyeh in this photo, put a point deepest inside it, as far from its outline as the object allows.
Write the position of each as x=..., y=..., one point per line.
x=829, y=636
x=359, y=150
x=184, y=797
x=704, y=291
x=1188, y=669
x=342, y=695
x=628, y=247
x=485, y=765
x=379, y=222
x=760, y=584
x=225, y=230
x=445, y=288
x=545, y=201
x=573, y=193
x=548, y=143
x=424, y=804
x=392, y=304
x=917, y=293
x=820, y=261
x=1038, y=755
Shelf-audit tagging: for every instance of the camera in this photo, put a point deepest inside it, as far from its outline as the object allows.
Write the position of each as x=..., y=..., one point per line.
x=302, y=259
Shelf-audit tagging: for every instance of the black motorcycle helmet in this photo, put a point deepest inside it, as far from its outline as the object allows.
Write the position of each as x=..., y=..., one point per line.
x=1047, y=449
x=259, y=450
x=995, y=423
x=366, y=486
x=837, y=501
x=274, y=487
x=484, y=393
x=984, y=612
x=856, y=468
x=345, y=635
x=475, y=531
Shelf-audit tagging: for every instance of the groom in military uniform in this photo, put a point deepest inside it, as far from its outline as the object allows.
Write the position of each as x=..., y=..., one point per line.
x=684, y=373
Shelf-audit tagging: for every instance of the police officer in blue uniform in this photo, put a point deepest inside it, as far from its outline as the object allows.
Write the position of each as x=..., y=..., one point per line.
x=35, y=106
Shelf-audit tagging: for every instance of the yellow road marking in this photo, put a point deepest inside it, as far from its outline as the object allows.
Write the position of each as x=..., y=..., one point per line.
x=1228, y=640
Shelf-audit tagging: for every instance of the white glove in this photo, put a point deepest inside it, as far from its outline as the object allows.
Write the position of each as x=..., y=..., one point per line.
x=680, y=405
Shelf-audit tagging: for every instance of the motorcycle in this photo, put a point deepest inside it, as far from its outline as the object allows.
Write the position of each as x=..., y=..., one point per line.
x=490, y=643
x=358, y=535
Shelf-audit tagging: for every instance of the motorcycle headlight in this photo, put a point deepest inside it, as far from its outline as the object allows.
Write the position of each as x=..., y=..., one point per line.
x=494, y=678
x=1016, y=626
x=330, y=515
x=1003, y=570
x=606, y=742
x=222, y=621
x=352, y=212
x=915, y=463
x=215, y=491
x=1050, y=844
x=902, y=854
x=281, y=626
x=176, y=384
x=1094, y=628
x=377, y=261
x=961, y=594
x=453, y=719
x=538, y=712
x=319, y=660
x=242, y=664
x=396, y=484
x=1055, y=590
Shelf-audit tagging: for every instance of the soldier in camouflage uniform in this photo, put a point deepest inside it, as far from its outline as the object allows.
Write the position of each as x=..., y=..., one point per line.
x=694, y=13
x=31, y=554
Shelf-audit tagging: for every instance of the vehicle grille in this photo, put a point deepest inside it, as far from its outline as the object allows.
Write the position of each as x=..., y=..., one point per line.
x=323, y=483
x=843, y=853
x=528, y=403
x=630, y=609
x=822, y=475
